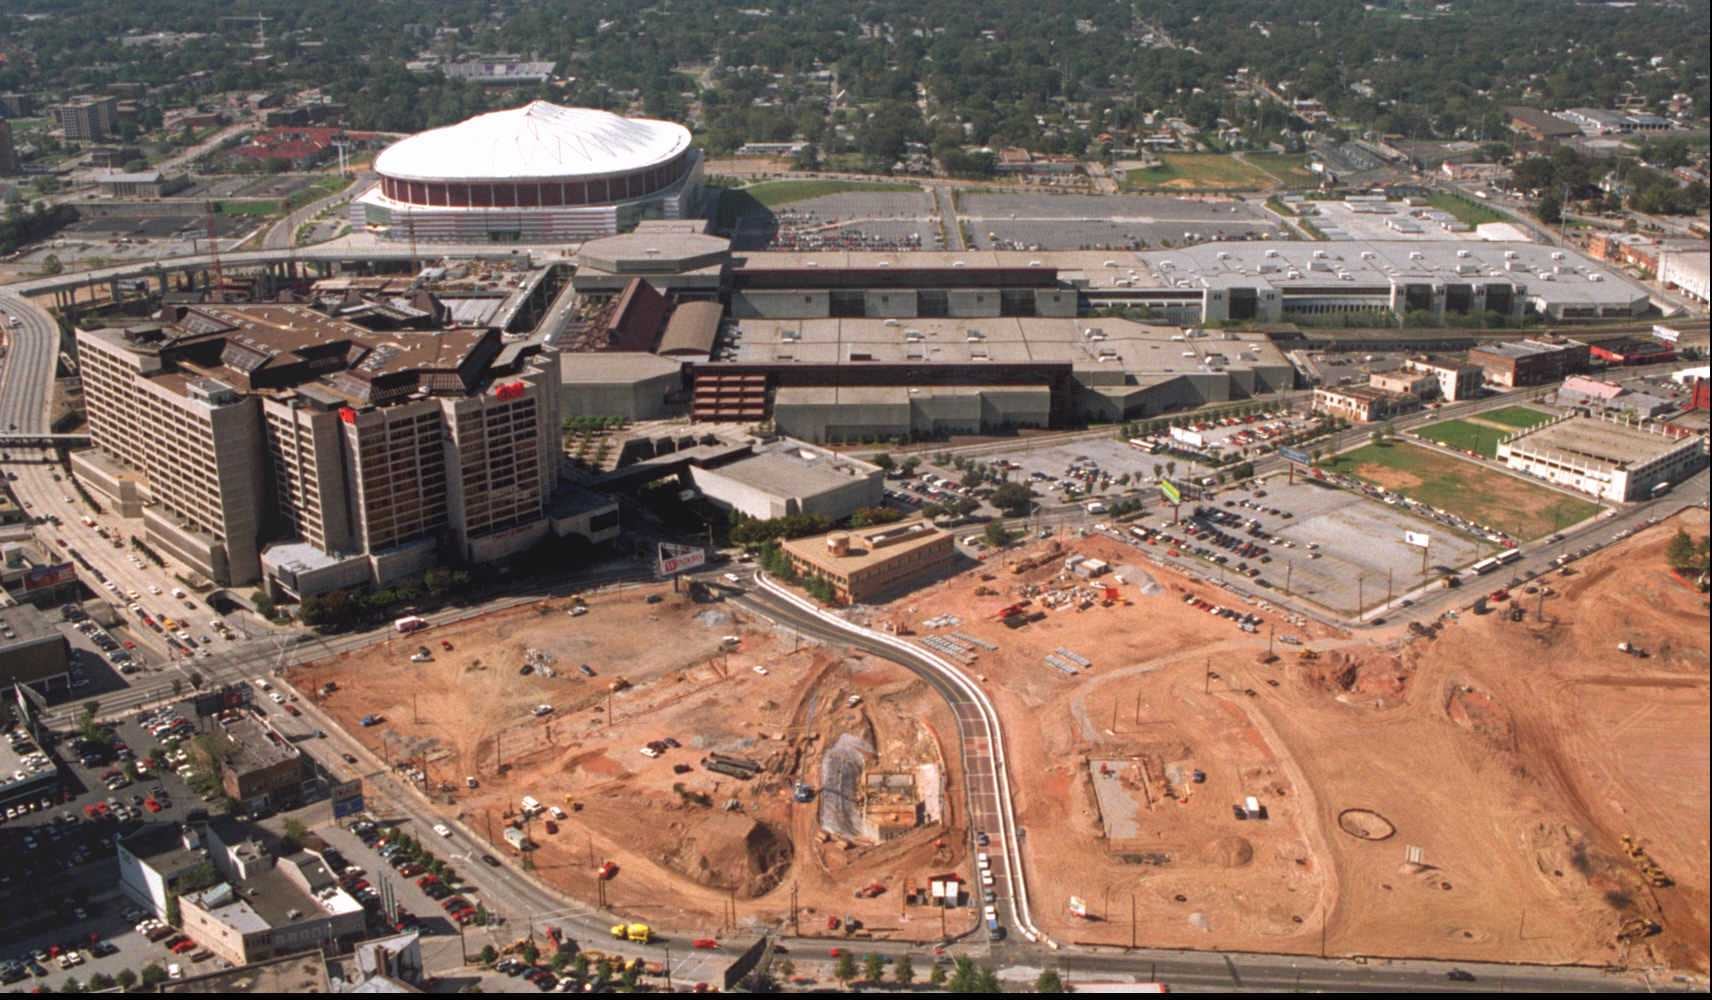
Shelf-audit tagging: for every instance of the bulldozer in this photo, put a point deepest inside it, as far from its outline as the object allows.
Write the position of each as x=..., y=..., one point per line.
x=1307, y=654
x=1644, y=863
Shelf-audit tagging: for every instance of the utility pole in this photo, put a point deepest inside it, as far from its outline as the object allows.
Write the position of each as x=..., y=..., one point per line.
x=1132, y=921
x=1207, y=678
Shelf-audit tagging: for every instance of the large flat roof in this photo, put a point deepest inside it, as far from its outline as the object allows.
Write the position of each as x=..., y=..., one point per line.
x=1598, y=443
x=794, y=469
x=1085, y=343
x=600, y=367
x=301, y=973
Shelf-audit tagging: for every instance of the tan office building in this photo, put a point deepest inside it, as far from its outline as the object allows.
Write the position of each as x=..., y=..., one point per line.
x=861, y=565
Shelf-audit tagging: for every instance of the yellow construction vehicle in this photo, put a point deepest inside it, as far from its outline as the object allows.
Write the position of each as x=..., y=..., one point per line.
x=1307, y=654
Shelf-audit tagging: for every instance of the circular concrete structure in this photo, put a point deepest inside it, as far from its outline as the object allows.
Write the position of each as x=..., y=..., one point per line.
x=536, y=173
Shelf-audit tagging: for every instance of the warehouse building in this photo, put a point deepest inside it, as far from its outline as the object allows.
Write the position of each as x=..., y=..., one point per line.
x=1687, y=271
x=1604, y=458
x=1633, y=351
x=785, y=477
x=860, y=565
x=1529, y=362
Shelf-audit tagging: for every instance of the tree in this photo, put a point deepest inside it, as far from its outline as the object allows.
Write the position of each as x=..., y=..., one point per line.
x=489, y=955
x=1015, y=499
x=71, y=985
x=873, y=969
x=51, y=264
x=1049, y=982
x=909, y=466
x=295, y=832
x=964, y=976
x=884, y=461
x=936, y=978
x=530, y=953
x=997, y=535
x=125, y=979
x=1550, y=209
x=1680, y=552
x=904, y=971
x=263, y=603
x=987, y=981
x=845, y=970
x=153, y=975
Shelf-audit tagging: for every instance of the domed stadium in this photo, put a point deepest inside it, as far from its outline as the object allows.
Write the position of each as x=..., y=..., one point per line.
x=536, y=174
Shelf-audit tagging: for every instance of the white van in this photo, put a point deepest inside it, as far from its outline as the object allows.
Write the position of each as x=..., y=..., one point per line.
x=530, y=805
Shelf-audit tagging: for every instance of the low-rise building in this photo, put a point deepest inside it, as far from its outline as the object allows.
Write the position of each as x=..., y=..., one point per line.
x=1529, y=362
x=787, y=477
x=1605, y=458
x=862, y=564
x=290, y=906
x=1405, y=382
x=1688, y=272
x=1633, y=351
x=146, y=184
x=258, y=765
x=32, y=651
x=1363, y=404
x=1458, y=379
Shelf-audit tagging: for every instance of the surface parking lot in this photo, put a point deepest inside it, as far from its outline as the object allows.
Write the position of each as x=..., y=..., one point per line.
x=1345, y=548
x=1071, y=222
x=61, y=860
x=1111, y=456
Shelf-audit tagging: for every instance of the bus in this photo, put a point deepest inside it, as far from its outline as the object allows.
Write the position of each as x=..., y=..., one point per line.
x=1508, y=556
x=1485, y=566
x=1148, y=445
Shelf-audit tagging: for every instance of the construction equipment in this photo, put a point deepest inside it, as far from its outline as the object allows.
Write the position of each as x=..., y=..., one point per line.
x=1636, y=928
x=870, y=891
x=1307, y=654
x=639, y=933
x=1644, y=863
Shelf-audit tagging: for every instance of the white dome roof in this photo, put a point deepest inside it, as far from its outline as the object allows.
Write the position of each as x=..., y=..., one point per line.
x=537, y=141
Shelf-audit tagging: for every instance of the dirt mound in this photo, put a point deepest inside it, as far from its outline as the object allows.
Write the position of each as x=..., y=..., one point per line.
x=1374, y=675
x=731, y=851
x=1229, y=852
x=1478, y=713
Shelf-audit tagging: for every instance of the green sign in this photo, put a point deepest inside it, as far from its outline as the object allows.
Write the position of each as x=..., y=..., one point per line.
x=1169, y=491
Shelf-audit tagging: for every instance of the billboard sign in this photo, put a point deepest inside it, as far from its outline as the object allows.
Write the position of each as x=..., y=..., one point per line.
x=680, y=559
x=39, y=577
x=1295, y=455
x=347, y=797
x=1419, y=539
x=1170, y=491
x=1188, y=436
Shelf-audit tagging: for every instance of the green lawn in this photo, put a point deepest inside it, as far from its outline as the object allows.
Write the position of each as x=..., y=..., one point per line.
x=1461, y=487
x=1291, y=168
x=1462, y=435
x=249, y=207
x=1466, y=210
x=1515, y=416
x=1197, y=171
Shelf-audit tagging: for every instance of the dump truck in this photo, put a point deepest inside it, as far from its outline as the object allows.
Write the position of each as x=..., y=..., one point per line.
x=639, y=933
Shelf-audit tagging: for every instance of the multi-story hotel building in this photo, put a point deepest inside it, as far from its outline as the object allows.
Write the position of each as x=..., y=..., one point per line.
x=364, y=457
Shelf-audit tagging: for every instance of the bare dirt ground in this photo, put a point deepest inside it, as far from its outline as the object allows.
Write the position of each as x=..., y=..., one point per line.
x=1514, y=755
x=695, y=849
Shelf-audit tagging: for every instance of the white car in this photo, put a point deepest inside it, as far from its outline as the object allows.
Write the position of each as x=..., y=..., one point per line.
x=760, y=670
x=540, y=710
x=442, y=829
x=649, y=752
x=153, y=589
x=278, y=699
x=733, y=578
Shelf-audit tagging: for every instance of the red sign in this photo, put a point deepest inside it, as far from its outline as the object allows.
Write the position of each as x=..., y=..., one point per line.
x=510, y=390
x=347, y=414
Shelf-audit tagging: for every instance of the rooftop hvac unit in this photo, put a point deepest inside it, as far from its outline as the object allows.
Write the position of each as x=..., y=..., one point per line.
x=1417, y=255
x=1557, y=255
x=885, y=263
x=1368, y=255
x=1462, y=253
x=892, y=322
x=811, y=264
x=1034, y=263
x=957, y=263
x=1596, y=276
x=1321, y=254
x=1224, y=255
x=1110, y=263
x=1509, y=255
x=1271, y=253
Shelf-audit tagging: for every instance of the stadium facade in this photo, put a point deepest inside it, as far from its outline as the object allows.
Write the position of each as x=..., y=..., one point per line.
x=536, y=174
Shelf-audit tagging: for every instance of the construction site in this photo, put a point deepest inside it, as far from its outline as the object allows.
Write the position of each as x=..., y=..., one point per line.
x=1195, y=770
x=731, y=778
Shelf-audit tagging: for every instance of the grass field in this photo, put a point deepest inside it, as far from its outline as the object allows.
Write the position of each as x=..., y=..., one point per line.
x=1471, y=212
x=1463, y=488
x=1197, y=171
x=1463, y=435
x=1291, y=168
x=1515, y=416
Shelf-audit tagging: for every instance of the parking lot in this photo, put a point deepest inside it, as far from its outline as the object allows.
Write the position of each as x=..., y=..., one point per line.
x=1345, y=550
x=1113, y=460
x=998, y=221
x=61, y=857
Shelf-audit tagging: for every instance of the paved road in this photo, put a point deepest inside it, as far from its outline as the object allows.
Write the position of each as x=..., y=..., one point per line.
x=283, y=234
